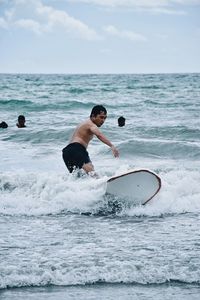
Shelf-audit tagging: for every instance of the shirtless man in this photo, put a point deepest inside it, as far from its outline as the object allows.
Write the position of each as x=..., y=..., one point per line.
x=75, y=154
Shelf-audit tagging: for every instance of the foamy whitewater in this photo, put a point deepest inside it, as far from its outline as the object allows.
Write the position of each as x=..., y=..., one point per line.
x=59, y=235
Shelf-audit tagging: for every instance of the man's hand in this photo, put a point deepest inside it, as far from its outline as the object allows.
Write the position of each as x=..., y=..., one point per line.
x=115, y=151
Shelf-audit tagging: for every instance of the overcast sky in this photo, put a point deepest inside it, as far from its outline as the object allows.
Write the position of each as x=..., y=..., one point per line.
x=99, y=36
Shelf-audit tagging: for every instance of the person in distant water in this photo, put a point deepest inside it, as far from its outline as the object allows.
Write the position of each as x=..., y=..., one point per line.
x=21, y=122
x=121, y=121
x=75, y=154
x=3, y=125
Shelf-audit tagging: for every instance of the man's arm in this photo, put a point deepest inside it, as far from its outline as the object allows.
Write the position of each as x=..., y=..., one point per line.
x=104, y=139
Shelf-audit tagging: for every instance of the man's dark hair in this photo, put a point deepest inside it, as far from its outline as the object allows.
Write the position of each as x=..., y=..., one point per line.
x=21, y=117
x=121, y=121
x=3, y=125
x=97, y=110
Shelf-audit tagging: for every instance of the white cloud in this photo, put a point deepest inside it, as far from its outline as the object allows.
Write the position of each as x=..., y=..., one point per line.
x=155, y=6
x=138, y=3
x=187, y=2
x=3, y=23
x=125, y=34
x=35, y=16
x=9, y=14
x=29, y=25
x=168, y=11
x=70, y=24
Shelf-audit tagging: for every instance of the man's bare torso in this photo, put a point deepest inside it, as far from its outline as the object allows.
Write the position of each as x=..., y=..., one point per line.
x=83, y=133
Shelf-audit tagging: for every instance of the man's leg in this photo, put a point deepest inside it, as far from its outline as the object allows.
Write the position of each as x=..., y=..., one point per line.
x=88, y=167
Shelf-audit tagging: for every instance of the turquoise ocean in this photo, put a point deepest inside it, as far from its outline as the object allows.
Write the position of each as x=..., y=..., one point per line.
x=59, y=236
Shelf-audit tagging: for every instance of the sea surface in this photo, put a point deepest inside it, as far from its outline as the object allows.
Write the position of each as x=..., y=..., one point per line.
x=59, y=237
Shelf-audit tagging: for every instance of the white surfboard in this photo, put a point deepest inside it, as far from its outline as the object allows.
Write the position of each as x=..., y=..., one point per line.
x=139, y=186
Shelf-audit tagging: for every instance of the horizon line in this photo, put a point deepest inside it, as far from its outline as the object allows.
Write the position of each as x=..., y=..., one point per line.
x=127, y=73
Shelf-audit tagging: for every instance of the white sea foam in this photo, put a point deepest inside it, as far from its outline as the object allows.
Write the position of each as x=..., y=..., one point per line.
x=48, y=193
x=52, y=193
x=40, y=271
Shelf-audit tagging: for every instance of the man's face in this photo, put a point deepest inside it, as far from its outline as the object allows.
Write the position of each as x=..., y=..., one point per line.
x=22, y=122
x=99, y=119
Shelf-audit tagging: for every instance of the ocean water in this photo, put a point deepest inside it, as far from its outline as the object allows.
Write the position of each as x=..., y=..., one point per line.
x=59, y=237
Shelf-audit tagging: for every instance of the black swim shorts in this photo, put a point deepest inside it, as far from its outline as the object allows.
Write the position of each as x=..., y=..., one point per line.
x=75, y=156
